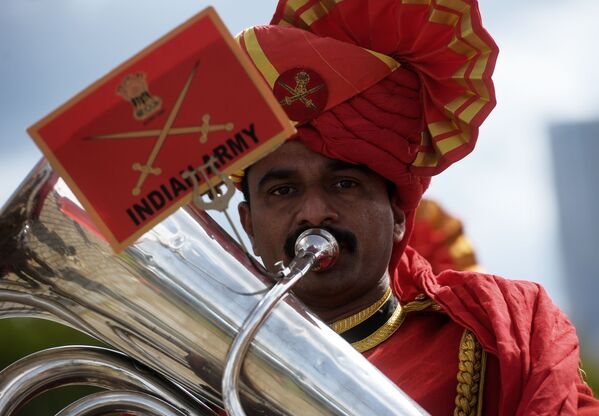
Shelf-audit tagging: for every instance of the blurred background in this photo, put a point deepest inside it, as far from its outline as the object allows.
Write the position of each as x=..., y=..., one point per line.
x=527, y=195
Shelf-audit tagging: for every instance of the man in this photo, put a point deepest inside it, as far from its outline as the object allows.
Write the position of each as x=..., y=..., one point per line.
x=386, y=94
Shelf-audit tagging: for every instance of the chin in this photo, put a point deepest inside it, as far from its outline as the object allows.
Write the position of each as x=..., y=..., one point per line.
x=321, y=286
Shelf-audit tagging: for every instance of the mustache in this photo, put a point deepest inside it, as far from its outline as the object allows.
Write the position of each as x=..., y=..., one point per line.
x=345, y=238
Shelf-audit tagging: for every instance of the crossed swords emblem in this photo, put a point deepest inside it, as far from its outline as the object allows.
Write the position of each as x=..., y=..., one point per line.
x=162, y=134
x=301, y=91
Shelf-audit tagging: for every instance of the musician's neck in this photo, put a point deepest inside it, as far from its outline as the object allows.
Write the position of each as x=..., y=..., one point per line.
x=366, y=300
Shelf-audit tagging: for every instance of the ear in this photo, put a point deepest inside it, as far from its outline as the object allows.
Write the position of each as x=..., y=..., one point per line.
x=245, y=216
x=399, y=227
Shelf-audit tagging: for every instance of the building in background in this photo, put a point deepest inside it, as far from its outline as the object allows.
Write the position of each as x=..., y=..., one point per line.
x=575, y=147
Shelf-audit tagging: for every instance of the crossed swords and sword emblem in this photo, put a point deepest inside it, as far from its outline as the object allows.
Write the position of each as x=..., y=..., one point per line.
x=204, y=129
x=301, y=91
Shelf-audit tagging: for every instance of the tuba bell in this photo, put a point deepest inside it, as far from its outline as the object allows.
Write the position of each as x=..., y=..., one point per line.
x=171, y=306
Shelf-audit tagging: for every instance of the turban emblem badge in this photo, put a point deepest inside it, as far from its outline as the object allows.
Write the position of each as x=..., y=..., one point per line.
x=302, y=93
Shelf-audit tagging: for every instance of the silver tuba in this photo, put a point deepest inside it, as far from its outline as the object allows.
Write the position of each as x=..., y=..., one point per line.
x=171, y=306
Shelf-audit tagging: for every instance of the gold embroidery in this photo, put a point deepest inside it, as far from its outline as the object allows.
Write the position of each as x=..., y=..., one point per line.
x=290, y=11
x=259, y=58
x=451, y=143
x=443, y=17
x=389, y=61
x=464, y=41
x=457, y=5
x=439, y=128
x=471, y=376
x=470, y=103
x=425, y=159
x=392, y=324
x=345, y=324
x=317, y=11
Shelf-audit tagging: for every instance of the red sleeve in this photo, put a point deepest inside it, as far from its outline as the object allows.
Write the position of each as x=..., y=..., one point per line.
x=534, y=341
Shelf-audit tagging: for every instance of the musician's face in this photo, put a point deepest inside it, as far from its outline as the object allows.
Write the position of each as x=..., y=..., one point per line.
x=293, y=189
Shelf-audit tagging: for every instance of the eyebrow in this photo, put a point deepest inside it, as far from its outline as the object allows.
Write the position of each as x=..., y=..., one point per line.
x=336, y=165
x=332, y=165
x=275, y=174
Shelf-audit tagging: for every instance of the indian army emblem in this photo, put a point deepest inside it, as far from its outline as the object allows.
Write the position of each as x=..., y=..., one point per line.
x=134, y=84
x=301, y=92
x=134, y=88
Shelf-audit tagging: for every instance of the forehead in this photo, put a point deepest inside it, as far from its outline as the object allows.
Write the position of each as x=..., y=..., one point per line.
x=295, y=158
x=291, y=154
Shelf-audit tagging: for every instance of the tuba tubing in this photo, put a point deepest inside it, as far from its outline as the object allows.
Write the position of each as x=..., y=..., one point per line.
x=174, y=301
x=87, y=365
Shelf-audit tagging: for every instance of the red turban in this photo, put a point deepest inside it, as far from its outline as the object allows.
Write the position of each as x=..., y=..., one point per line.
x=400, y=86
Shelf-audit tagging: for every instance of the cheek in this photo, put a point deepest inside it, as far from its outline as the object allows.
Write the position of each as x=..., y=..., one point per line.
x=269, y=237
x=379, y=232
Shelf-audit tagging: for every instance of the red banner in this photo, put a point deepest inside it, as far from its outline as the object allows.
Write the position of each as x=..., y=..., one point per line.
x=186, y=108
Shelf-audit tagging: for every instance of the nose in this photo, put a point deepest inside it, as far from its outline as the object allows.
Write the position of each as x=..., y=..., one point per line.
x=316, y=208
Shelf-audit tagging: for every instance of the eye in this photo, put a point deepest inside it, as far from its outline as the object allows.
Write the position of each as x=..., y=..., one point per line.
x=282, y=190
x=345, y=184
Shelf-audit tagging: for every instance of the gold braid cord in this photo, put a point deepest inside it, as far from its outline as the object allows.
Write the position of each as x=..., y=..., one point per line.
x=391, y=325
x=471, y=376
x=348, y=323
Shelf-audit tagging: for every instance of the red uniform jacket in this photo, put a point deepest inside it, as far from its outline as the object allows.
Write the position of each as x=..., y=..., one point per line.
x=533, y=361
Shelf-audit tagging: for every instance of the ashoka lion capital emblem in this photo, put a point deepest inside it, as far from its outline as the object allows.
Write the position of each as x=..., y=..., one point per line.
x=134, y=88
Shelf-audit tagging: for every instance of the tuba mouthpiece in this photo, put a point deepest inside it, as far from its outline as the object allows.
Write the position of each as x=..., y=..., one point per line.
x=321, y=244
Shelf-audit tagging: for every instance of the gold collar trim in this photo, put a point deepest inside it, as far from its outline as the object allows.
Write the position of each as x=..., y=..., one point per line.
x=392, y=324
x=345, y=324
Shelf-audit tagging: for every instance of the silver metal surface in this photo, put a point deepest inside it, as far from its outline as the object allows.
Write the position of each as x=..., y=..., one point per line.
x=110, y=402
x=85, y=365
x=313, y=250
x=174, y=300
x=321, y=244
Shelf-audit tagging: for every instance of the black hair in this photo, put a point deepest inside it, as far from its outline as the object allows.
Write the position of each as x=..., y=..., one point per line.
x=245, y=188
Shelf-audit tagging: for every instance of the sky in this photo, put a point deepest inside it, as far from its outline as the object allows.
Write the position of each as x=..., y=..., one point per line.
x=504, y=193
